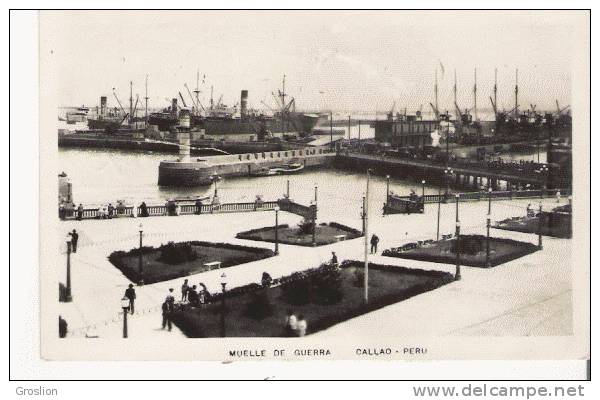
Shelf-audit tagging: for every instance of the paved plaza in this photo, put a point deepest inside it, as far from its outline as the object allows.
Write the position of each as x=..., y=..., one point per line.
x=527, y=296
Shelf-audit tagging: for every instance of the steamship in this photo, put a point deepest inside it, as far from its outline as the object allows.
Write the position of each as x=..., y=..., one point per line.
x=220, y=120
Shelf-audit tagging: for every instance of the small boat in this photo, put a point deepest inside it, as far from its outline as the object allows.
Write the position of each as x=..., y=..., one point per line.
x=264, y=171
x=288, y=168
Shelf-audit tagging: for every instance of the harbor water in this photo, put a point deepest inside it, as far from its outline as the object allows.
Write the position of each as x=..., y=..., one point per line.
x=100, y=177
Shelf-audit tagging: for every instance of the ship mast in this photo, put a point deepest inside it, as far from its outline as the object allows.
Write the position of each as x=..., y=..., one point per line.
x=146, y=98
x=475, y=96
x=454, y=86
x=130, y=102
x=435, y=89
x=517, y=93
x=211, y=97
x=197, y=91
x=495, y=89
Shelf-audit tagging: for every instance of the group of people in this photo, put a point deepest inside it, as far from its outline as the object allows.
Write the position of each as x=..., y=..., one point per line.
x=294, y=326
x=194, y=296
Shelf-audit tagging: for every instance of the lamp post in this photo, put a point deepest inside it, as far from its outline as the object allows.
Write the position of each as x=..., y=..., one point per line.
x=215, y=179
x=540, y=228
x=125, y=307
x=544, y=175
x=387, y=193
x=223, y=287
x=287, y=189
x=68, y=296
x=140, y=259
x=437, y=236
x=316, y=190
x=276, y=229
x=366, y=232
x=457, y=274
x=489, y=223
x=423, y=190
x=448, y=172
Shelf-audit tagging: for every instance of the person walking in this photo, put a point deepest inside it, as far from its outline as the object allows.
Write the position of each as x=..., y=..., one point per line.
x=62, y=327
x=334, y=259
x=166, y=315
x=170, y=298
x=184, y=290
x=111, y=210
x=130, y=294
x=290, y=324
x=143, y=209
x=374, y=242
x=74, y=240
x=80, y=212
x=192, y=296
x=301, y=326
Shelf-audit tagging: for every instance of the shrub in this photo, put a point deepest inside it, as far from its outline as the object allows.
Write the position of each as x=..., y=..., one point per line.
x=306, y=227
x=296, y=289
x=327, y=286
x=177, y=253
x=359, y=278
x=468, y=245
x=259, y=306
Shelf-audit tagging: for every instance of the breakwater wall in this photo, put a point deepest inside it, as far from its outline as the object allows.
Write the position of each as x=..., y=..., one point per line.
x=129, y=143
x=200, y=171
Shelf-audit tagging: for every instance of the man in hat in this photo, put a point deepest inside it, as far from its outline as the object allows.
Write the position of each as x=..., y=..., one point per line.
x=74, y=239
x=130, y=294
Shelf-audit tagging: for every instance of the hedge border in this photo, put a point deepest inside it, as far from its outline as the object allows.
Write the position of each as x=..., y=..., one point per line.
x=523, y=249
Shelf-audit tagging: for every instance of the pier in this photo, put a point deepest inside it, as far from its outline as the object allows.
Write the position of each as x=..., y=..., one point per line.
x=199, y=172
x=464, y=174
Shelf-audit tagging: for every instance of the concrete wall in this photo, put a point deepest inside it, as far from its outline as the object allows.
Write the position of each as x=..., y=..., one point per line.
x=198, y=172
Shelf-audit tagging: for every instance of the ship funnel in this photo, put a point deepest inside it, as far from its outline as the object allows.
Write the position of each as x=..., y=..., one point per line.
x=244, y=104
x=184, y=146
x=174, y=108
x=103, y=106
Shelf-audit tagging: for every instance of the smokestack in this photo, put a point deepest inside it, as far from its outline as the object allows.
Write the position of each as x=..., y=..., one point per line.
x=103, y=106
x=244, y=104
x=174, y=108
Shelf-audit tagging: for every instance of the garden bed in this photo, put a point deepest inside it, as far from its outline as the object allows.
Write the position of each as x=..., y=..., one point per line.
x=473, y=251
x=176, y=260
x=554, y=224
x=325, y=234
x=325, y=296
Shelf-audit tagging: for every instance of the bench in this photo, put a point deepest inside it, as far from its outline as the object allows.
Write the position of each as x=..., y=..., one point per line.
x=339, y=238
x=213, y=264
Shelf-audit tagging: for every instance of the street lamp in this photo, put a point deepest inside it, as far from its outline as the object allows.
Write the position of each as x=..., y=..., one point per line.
x=223, y=286
x=448, y=172
x=540, y=228
x=215, y=179
x=125, y=306
x=140, y=260
x=489, y=223
x=276, y=208
x=543, y=171
x=457, y=275
x=423, y=190
x=387, y=188
x=68, y=296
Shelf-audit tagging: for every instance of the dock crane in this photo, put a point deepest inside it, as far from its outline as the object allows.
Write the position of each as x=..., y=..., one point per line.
x=559, y=110
x=435, y=110
x=182, y=100
x=125, y=114
x=196, y=102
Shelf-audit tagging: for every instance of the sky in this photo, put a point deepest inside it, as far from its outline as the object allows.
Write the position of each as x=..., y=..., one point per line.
x=337, y=60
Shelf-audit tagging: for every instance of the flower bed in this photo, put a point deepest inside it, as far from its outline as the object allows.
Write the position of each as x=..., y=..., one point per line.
x=175, y=260
x=554, y=224
x=326, y=233
x=473, y=251
x=325, y=296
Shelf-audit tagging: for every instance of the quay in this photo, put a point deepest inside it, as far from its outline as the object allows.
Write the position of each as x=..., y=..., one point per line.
x=467, y=174
x=198, y=146
x=200, y=172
